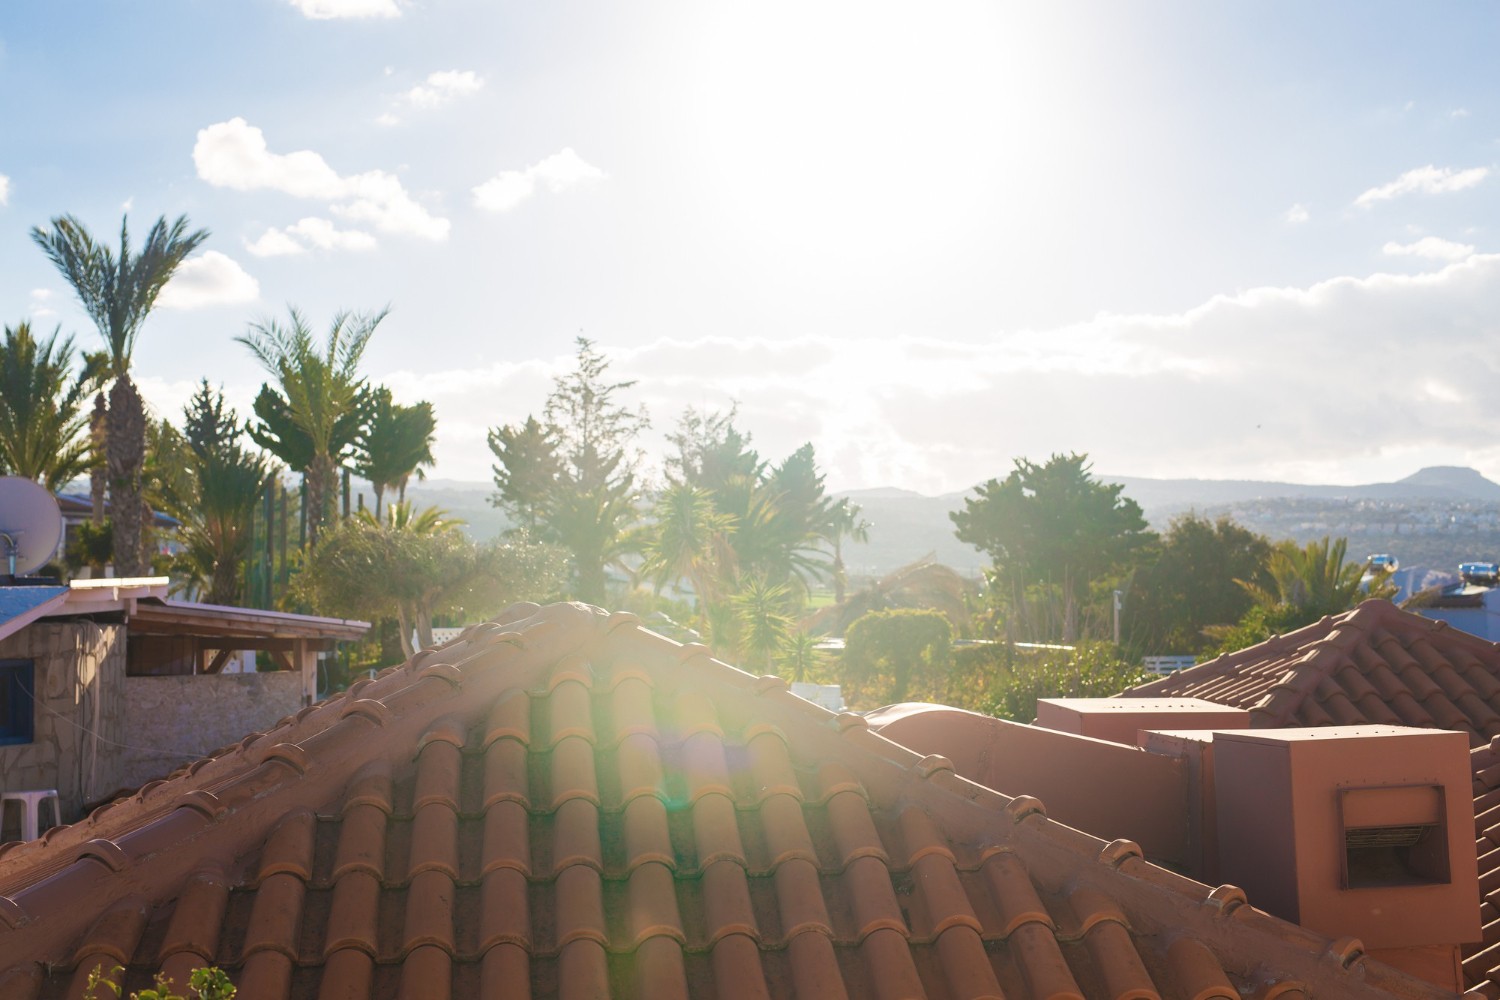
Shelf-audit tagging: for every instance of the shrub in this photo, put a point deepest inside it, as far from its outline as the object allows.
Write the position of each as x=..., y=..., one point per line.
x=890, y=655
x=1093, y=670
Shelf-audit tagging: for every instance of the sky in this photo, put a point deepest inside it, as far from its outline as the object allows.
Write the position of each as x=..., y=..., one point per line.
x=1191, y=240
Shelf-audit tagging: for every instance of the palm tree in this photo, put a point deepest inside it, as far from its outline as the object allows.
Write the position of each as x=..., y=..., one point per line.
x=118, y=291
x=761, y=620
x=321, y=387
x=42, y=420
x=843, y=521
x=690, y=539
x=1313, y=579
x=395, y=443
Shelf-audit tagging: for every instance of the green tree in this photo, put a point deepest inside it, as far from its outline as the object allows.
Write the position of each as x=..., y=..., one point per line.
x=886, y=653
x=1053, y=528
x=528, y=471
x=215, y=499
x=589, y=505
x=118, y=290
x=322, y=391
x=394, y=444
x=689, y=538
x=42, y=416
x=1192, y=584
x=417, y=564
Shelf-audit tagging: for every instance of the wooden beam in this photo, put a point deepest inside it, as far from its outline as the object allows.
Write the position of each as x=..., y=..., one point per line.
x=282, y=662
x=307, y=662
x=217, y=663
x=242, y=642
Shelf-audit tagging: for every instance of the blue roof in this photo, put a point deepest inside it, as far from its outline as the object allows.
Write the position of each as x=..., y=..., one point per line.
x=16, y=601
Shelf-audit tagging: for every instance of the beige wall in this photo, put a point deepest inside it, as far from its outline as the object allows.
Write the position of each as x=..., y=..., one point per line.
x=79, y=667
x=173, y=720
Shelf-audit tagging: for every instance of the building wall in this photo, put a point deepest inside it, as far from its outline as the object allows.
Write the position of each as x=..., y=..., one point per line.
x=79, y=670
x=172, y=720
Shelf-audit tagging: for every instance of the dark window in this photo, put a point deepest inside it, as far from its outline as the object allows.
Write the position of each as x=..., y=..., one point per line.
x=17, y=704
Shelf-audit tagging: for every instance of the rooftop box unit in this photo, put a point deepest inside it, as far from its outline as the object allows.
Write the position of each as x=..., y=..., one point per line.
x=1362, y=831
x=1119, y=719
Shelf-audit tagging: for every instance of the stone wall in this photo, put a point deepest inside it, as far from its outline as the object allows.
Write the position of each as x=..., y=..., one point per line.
x=172, y=720
x=80, y=716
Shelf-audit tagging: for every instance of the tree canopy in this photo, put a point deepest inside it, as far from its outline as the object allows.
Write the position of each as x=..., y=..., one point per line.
x=572, y=476
x=1053, y=526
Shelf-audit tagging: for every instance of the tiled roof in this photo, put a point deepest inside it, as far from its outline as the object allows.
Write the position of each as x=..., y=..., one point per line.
x=564, y=804
x=1375, y=664
x=1482, y=962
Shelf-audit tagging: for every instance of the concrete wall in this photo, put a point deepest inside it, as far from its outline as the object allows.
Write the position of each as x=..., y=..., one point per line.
x=79, y=670
x=172, y=720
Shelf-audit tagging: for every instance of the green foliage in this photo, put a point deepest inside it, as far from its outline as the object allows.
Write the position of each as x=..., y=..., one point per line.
x=730, y=524
x=921, y=584
x=527, y=473
x=799, y=659
x=394, y=444
x=42, y=415
x=890, y=654
x=1092, y=670
x=762, y=624
x=1306, y=583
x=573, y=475
x=1191, y=585
x=117, y=290
x=321, y=392
x=1053, y=529
x=214, y=496
x=209, y=983
x=417, y=564
x=90, y=545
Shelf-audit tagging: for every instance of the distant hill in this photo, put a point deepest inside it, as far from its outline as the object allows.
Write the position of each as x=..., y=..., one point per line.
x=1163, y=498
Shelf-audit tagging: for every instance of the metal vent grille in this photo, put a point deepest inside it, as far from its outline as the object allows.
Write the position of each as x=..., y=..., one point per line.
x=1383, y=836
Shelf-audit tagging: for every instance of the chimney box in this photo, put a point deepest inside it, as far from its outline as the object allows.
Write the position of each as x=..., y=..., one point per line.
x=1364, y=831
x=1120, y=719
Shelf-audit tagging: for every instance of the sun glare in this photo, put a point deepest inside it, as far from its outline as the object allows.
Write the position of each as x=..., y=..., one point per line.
x=846, y=127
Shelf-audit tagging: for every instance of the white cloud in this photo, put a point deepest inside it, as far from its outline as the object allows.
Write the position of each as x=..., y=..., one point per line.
x=234, y=154
x=1236, y=387
x=309, y=233
x=1424, y=180
x=1430, y=247
x=39, y=307
x=1459, y=113
x=556, y=173
x=1297, y=214
x=442, y=87
x=4, y=190
x=326, y=10
x=387, y=120
x=210, y=279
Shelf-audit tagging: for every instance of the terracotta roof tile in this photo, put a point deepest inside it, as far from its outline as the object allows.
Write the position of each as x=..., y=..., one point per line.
x=565, y=805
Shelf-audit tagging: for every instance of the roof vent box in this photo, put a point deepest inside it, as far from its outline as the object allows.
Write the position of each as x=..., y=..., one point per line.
x=1352, y=830
x=1120, y=719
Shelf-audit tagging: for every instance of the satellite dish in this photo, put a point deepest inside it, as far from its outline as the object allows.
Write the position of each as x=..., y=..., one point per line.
x=31, y=526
